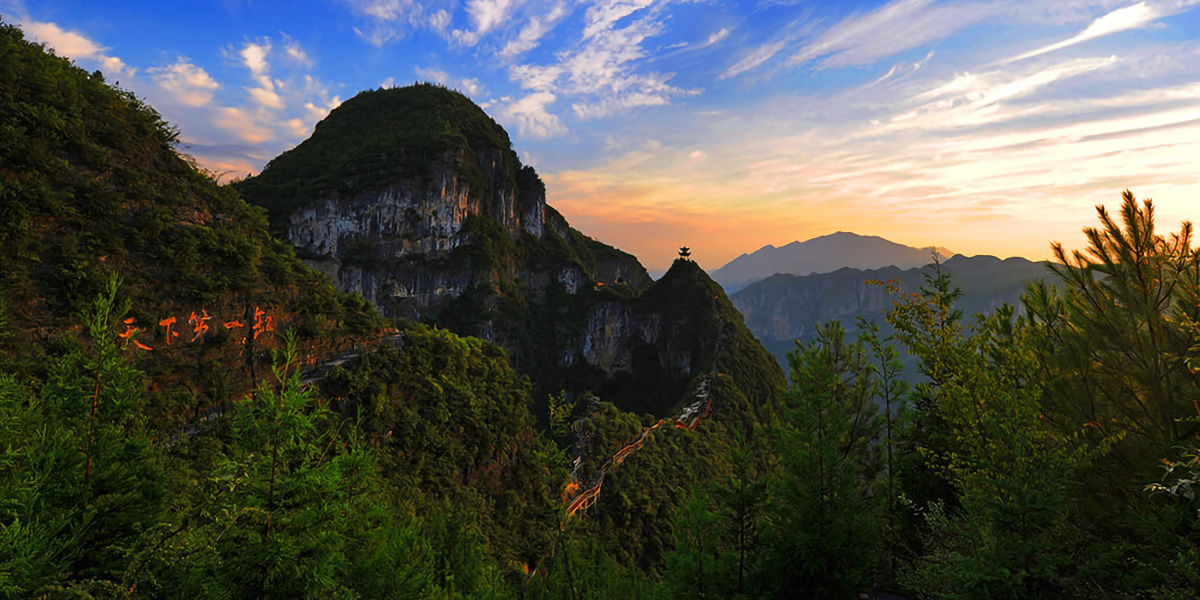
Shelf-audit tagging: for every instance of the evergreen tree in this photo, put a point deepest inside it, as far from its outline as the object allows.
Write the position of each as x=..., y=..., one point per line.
x=1011, y=536
x=822, y=539
x=80, y=480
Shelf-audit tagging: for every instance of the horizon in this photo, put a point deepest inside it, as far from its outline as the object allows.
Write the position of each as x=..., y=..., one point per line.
x=990, y=128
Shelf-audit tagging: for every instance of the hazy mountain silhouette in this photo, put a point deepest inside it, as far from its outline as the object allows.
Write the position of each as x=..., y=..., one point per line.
x=784, y=308
x=822, y=255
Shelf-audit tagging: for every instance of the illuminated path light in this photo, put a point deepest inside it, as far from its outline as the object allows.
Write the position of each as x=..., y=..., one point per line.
x=579, y=497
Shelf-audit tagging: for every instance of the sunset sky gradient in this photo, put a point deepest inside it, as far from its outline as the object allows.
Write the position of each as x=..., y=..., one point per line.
x=985, y=126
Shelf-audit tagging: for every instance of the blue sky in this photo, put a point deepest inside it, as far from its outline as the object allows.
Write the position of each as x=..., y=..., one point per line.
x=987, y=126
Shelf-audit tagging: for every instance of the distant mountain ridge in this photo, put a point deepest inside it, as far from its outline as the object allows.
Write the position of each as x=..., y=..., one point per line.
x=823, y=255
x=784, y=308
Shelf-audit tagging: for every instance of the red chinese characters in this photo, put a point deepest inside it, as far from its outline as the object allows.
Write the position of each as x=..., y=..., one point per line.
x=200, y=322
x=130, y=330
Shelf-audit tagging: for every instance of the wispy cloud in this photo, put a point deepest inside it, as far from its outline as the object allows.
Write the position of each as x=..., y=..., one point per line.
x=254, y=56
x=927, y=158
x=467, y=85
x=895, y=27
x=1134, y=16
x=972, y=100
x=486, y=15
x=537, y=27
x=295, y=53
x=392, y=20
x=603, y=73
x=756, y=57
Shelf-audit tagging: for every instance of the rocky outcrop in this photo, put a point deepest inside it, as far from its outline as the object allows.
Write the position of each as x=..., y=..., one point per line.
x=419, y=216
x=465, y=239
x=381, y=243
x=611, y=332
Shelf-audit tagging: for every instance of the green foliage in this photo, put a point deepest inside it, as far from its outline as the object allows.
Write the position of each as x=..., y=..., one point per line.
x=1028, y=463
x=377, y=138
x=559, y=415
x=300, y=512
x=718, y=531
x=1118, y=334
x=79, y=479
x=1013, y=474
x=92, y=183
x=453, y=421
x=822, y=540
x=891, y=390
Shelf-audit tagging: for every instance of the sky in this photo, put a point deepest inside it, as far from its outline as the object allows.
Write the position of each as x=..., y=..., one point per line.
x=985, y=126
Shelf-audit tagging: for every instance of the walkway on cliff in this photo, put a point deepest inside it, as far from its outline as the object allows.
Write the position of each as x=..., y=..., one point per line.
x=317, y=370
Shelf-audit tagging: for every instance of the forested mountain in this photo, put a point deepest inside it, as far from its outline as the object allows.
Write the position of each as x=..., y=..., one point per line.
x=93, y=187
x=143, y=303
x=784, y=308
x=414, y=198
x=823, y=254
x=625, y=440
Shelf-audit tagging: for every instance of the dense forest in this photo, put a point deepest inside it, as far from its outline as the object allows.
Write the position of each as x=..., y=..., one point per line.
x=1049, y=452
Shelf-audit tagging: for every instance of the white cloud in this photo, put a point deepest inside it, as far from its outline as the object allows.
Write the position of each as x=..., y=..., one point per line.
x=471, y=87
x=316, y=112
x=605, y=14
x=299, y=129
x=603, y=72
x=717, y=36
x=254, y=56
x=486, y=14
x=972, y=100
x=467, y=85
x=185, y=82
x=74, y=45
x=387, y=20
x=243, y=125
x=755, y=58
x=534, y=30
x=531, y=117
x=385, y=10
x=266, y=97
x=439, y=20
x=433, y=75
x=115, y=66
x=895, y=27
x=294, y=52
x=70, y=44
x=1134, y=16
x=392, y=20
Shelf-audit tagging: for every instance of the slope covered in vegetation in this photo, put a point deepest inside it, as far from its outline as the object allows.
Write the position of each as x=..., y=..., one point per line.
x=368, y=143
x=91, y=184
x=1048, y=453
x=414, y=197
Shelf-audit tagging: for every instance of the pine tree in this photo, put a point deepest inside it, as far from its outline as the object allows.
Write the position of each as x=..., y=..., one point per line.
x=80, y=479
x=822, y=540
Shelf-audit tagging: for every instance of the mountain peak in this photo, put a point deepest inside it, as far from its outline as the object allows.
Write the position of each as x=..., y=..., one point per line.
x=380, y=137
x=822, y=254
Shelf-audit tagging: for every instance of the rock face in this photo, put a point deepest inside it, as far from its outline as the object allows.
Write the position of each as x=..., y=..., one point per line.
x=463, y=238
x=379, y=243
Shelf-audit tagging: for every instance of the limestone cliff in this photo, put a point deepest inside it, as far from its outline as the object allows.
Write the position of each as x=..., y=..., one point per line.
x=414, y=198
